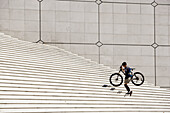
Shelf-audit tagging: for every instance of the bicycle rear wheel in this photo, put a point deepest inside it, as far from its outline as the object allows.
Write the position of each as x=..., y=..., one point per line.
x=138, y=79
x=116, y=79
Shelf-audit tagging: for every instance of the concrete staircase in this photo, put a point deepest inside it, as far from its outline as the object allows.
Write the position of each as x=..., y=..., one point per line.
x=45, y=79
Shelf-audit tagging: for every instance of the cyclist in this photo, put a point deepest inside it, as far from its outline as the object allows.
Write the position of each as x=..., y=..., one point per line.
x=127, y=71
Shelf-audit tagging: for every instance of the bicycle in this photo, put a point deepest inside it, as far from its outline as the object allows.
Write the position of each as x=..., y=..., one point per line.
x=137, y=78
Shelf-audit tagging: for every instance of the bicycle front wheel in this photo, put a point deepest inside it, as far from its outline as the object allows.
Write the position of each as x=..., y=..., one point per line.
x=138, y=79
x=116, y=79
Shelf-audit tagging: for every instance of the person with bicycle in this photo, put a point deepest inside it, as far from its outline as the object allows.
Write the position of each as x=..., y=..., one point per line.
x=116, y=79
x=127, y=71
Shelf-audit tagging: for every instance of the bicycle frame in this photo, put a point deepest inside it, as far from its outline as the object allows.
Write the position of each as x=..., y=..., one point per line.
x=125, y=74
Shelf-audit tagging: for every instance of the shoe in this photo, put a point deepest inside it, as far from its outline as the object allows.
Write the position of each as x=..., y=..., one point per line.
x=131, y=93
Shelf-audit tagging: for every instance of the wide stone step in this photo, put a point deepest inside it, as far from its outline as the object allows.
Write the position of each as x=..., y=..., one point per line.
x=77, y=102
x=48, y=106
x=87, y=110
x=77, y=98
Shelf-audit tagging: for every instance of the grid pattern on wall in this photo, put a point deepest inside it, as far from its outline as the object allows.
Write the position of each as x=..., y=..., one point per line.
x=107, y=31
